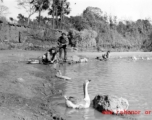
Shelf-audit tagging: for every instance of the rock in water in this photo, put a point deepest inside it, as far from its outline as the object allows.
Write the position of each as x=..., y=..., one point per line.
x=113, y=104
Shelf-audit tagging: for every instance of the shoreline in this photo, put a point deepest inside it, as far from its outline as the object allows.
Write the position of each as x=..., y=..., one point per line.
x=115, y=54
x=36, y=54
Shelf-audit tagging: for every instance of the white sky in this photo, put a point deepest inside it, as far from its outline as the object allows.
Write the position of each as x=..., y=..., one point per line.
x=123, y=9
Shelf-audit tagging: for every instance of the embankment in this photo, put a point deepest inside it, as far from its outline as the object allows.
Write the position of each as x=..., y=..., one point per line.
x=26, y=90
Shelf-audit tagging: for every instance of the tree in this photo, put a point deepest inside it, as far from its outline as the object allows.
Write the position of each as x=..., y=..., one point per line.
x=30, y=8
x=11, y=18
x=41, y=5
x=59, y=8
x=105, y=17
x=21, y=19
x=79, y=23
x=54, y=11
x=64, y=9
x=3, y=10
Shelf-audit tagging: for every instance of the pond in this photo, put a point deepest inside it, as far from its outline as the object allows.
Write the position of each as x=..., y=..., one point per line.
x=121, y=77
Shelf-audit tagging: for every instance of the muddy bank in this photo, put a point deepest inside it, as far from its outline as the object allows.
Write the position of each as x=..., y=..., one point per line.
x=26, y=90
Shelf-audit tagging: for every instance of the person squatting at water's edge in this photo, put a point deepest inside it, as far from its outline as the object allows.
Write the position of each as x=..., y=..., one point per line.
x=50, y=56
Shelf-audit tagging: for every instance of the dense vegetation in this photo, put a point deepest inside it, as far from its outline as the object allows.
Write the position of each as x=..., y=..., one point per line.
x=91, y=29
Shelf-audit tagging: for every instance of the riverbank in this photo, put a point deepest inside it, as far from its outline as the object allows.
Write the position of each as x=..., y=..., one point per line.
x=26, y=89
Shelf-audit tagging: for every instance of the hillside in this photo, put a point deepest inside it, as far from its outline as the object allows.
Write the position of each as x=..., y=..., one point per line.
x=92, y=30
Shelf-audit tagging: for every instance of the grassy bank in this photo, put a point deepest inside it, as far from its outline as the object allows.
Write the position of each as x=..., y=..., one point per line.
x=26, y=90
x=39, y=45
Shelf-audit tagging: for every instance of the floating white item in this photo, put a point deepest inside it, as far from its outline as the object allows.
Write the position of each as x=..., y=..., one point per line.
x=148, y=58
x=83, y=60
x=142, y=58
x=59, y=75
x=33, y=61
x=134, y=58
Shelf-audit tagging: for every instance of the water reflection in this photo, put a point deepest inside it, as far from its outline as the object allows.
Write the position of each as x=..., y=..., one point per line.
x=83, y=114
x=88, y=114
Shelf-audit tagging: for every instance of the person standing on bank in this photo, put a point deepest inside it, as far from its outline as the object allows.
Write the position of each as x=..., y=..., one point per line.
x=63, y=42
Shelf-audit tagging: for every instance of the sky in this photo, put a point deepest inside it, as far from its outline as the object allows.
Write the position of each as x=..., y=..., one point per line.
x=123, y=9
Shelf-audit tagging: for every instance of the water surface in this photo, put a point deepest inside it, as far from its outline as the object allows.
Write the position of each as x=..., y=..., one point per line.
x=122, y=77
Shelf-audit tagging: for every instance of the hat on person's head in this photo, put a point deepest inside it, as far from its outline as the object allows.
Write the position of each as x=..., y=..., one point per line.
x=52, y=49
x=63, y=33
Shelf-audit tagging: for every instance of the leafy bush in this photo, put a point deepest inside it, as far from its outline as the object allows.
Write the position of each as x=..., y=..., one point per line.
x=82, y=38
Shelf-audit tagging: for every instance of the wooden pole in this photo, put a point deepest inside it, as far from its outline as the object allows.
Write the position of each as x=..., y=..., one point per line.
x=19, y=38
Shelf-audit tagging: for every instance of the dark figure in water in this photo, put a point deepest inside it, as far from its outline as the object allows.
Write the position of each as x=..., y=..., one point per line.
x=104, y=56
